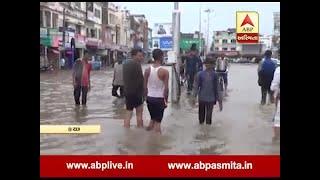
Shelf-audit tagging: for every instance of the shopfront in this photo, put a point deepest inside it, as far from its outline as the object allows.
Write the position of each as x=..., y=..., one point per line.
x=93, y=46
x=80, y=44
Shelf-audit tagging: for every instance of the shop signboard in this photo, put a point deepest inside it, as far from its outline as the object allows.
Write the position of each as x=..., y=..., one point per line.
x=185, y=43
x=43, y=32
x=166, y=43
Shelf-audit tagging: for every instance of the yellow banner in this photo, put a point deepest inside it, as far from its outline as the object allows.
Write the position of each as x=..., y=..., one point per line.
x=70, y=129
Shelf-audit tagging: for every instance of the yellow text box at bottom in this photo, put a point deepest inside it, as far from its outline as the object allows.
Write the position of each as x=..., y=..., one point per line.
x=70, y=129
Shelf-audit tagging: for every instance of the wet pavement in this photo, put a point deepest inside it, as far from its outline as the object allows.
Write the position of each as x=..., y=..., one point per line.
x=243, y=127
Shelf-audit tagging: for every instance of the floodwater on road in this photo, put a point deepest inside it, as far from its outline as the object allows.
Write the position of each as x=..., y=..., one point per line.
x=243, y=127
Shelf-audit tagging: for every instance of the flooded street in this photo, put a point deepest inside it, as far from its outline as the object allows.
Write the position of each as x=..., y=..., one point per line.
x=243, y=127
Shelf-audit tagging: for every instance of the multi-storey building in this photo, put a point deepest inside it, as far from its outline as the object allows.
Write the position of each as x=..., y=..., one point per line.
x=139, y=33
x=225, y=40
x=50, y=21
x=276, y=34
x=94, y=28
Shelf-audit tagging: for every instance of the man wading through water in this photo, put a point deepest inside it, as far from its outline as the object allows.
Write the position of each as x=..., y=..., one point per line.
x=133, y=87
x=81, y=79
x=157, y=90
x=206, y=86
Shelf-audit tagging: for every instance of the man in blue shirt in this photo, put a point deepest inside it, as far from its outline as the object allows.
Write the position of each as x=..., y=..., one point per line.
x=206, y=88
x=265, y=73
x=193, y=66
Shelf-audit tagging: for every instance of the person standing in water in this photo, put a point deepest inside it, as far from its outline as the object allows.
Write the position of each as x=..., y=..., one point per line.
x=81, y=79
x=118, y=79
x=206, y=86
x=157, y=90
x=133, y=87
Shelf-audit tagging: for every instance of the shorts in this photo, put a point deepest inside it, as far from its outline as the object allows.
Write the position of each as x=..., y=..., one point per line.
x=133, y=101
x=156, y=108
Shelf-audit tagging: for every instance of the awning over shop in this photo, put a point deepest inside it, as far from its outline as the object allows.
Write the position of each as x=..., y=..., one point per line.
x=55, y=51
x=102, y=52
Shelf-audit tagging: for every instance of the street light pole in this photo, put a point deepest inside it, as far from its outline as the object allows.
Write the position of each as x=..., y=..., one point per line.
x=63, y=28
x=200, y=31
x=208, y=11
x=175, y=93
x=208, y=31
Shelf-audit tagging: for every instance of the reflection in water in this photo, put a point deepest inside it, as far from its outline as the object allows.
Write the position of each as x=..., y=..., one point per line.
x=81, y=113
x=243, y=127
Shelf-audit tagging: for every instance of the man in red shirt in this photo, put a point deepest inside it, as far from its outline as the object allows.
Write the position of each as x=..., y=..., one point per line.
x=81, y=79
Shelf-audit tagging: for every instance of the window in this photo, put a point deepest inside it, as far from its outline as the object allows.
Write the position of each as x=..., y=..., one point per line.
x=233, y=41
x=233, y=49
x=117, y=35
x=78, y=29
x=90, y=6
x=112, y=19
x=77, y=5
x=93, y=33
x=217, y=49
x=225, y=49
x=216, y=41
x=87, y=33
x=55, y=20
x=48, y=18
x=41, y=19
x=113, y=37
x=97, y=13
x=224, y=41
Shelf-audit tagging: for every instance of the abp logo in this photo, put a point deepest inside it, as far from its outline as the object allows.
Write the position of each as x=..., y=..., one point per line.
x=247, y=27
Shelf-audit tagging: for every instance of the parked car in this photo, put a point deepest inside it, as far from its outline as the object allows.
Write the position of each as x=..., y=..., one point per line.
x=244, y=60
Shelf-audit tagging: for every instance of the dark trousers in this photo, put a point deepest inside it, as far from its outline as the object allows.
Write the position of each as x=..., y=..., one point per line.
x=190, y=81
x=205, y=112
x=264, y=91
x=115, y=89
x=77, y=92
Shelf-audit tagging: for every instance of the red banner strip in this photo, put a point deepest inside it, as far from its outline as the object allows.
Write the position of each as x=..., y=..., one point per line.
x=159, y=166
x=248, y=38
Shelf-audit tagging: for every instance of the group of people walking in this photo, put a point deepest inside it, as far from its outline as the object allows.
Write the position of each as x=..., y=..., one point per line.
x=152, y=86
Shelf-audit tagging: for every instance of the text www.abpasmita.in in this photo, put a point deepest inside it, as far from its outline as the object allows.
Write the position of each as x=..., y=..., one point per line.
x=109, y=165
x=208, y=166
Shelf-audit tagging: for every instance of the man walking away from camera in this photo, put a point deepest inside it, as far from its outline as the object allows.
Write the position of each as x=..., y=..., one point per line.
x=157, y=90
x=118, y=79
x=265, y=73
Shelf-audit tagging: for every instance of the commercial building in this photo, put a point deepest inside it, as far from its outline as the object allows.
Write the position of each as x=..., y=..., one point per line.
x=50, y=37
x=276, y=34
x=69, y=29
x=224, y=42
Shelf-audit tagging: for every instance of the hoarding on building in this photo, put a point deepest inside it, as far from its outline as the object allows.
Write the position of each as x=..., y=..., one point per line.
x=185, y=44
x=166, y=43
x=162, y=30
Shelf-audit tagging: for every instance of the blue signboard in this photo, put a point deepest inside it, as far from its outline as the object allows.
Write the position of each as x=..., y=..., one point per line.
x=166, y=43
